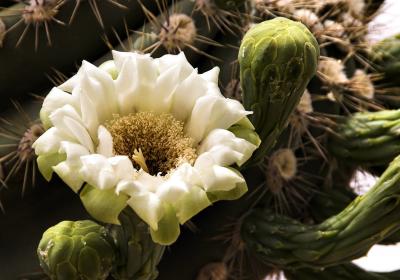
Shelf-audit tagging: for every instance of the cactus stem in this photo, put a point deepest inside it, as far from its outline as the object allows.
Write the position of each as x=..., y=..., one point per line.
x=349, y=93
x=235, y=253
x=37, y=13
x=225, y=20
x=299, y=123
x=19, y=152
x=287, y=185
x=57, y=78
x=176, y=32
x=95, y=9
x=237, y=257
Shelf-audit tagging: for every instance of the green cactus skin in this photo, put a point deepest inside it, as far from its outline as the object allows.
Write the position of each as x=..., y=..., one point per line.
x=138, y=256
x=341, y=272
x=285, y=242
x=385, y=56
x=332, y=201
x=367, y=138
x=23, y=69
x=277, y=59
x=201, y=244
x=76, y=250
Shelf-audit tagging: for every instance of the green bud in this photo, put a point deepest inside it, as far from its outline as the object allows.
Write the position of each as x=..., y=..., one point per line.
x=277, y=60
x=76, y=250
x=386, y=58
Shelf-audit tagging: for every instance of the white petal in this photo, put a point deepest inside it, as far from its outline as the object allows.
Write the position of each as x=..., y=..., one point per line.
x=49, y=142
x=97, y=171
x=148, y=207
x=68, y=170
x=68, y=174
x=225, y=148
x=56, y=99
x=79, y=132
x=123, y=168
x=98, y=86
x=136, y=80
x=215, y=177
x=211, y=112
x=105, y=140
x=178, y=183
x=142, y=182
x=73, y=151
x=183, y=192
x=211, y=75
x=67, y=120
x=169, y=61
x=186, y=94
x=71, y=83
x=89, y=114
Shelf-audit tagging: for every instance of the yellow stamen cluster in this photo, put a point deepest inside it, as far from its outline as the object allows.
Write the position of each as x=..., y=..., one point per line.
x=153, y=142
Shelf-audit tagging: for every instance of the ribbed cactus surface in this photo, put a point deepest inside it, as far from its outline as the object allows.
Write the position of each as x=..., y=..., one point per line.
x=315, y=102
x=76, y=250
x=277, y=59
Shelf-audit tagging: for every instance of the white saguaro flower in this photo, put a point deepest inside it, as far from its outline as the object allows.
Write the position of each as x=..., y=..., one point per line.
x=149, y=133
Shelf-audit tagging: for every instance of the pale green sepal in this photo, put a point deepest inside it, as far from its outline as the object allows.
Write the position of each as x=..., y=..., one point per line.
x=246, y=133
x=245, y=122
x=233, y=194
x=44, y=117
x=168, y=227
x=109, y=67
x=103, y=205
x=67, y=173
x=191, y=204
x=46, y=162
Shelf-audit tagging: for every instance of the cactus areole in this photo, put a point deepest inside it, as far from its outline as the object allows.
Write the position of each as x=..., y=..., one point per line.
x=277, y=60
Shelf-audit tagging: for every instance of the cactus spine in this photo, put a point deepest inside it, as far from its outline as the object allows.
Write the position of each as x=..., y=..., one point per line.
x=274, y=72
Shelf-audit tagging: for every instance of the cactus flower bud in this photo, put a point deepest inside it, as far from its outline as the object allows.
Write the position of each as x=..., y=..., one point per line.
x=277, y=60
x=76, y=250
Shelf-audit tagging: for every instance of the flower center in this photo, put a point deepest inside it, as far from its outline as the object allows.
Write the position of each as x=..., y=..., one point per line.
x=155, y=143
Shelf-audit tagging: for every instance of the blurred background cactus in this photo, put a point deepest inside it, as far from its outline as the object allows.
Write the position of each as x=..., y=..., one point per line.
x=325, y=103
